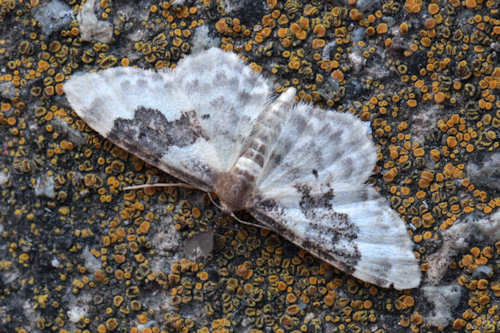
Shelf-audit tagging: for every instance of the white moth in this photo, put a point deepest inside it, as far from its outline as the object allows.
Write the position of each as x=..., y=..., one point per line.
x=299, y=170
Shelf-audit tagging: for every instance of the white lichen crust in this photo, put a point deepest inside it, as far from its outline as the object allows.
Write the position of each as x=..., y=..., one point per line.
x=299, y=170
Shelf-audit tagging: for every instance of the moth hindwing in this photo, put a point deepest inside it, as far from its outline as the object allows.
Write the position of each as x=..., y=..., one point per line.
x=299, y=170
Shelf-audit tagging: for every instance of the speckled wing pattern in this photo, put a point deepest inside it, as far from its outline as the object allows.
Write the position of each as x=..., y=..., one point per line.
x=182, y=121
x=313, y=192
x=299, y=170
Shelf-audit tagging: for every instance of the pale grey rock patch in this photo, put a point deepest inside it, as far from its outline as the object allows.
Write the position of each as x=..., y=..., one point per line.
x=487, y=172
x=490, y=226
x=8, y=90
x=69, y=132
x=92, y=29
x=423, y=122
x=166, y=237
x=201, y=245
x=10, y=276
x=367, y=5
x=202, y=41
x=458, y=238
x=445, y=299
x=4, y=178
x=78, y=307
x=91, y=262
x=53, y=16
x=45, y=187
x=483, y=271
x=32, y=316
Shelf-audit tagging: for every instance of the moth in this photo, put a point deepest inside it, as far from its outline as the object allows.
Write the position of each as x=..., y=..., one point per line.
x=213, y=123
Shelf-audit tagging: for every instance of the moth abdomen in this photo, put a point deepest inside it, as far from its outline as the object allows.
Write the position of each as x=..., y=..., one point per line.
x=265, y=132
x=236, y=187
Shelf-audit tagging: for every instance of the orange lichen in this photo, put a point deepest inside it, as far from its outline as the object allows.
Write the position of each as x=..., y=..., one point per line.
x=413, y=6
x=244, y=272
x=318, y=43
x=470, y=4
x=433, y=8
x=222, y=26
x=338, y=75
x=282, y=32
x=412, y=103
x=403, y=28
x=381, y=28
x=390, y=175
x=319, y=30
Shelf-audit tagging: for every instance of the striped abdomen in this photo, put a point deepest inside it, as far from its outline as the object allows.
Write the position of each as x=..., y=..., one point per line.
x=235, y=188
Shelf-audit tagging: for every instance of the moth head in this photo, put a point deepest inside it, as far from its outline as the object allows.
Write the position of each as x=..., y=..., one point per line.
x=234, y=191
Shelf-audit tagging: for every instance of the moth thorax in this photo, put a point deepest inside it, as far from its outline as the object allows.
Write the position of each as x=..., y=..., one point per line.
x=234, y=190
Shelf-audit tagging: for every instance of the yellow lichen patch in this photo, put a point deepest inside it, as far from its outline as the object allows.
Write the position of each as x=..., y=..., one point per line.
x=338, y=75
x=318, y=43
x=23, y=258
x=426, y=177
x=412, y=103
x=404, y=302
x=282, y=32
x=244, y=271
x=435, y=155
x=381, y=28
x=390, y=175
x=439, y=97
x=433, y=8
x=319, y=30
x=398, y=80
x=222, y=26
x=271, y=3
x=144, y=227
x=294, y=63
x=418, y=152
x=451, y=141
x=403, y=28
x=470, y=3
x=413, y=6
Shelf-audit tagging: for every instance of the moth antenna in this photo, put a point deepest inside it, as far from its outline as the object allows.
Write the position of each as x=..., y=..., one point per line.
x=137, y=187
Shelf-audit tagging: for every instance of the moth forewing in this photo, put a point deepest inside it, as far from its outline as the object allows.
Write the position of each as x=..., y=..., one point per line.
x=299, y=170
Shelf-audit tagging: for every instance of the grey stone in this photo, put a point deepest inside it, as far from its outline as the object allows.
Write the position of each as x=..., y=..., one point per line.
x=199, y=246
x=7, y=90
x=487, y=172
x=92, y=29
x=53, y=16
x=445, y=299
x=45, y=187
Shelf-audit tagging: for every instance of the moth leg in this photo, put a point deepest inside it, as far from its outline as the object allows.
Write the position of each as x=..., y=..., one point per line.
x=255, y=225
x=260, y=226
x=183, y=185
x=238, y=219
